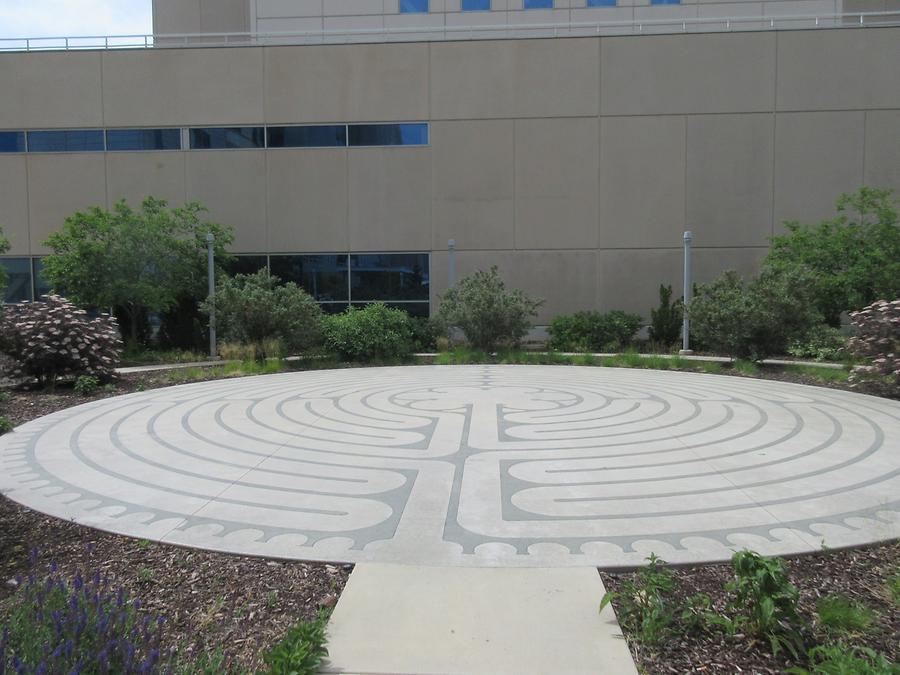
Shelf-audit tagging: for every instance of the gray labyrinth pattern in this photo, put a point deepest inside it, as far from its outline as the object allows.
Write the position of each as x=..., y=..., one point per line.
x=472, y=465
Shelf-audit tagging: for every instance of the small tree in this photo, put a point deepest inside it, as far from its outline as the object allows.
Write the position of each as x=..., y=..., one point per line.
x=488, y=314
x=854, y=258
x=138, y=261
x=253, y=308
x=666, y=320
x=877, y=339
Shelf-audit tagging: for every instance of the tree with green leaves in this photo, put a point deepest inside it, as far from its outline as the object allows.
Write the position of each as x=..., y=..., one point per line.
x=854, y=258
x=136, y=260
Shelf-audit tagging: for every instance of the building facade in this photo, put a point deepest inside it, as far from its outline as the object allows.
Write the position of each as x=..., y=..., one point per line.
x=574, y=163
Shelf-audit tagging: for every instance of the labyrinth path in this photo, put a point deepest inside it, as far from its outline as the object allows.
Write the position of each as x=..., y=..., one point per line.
x=472, y=465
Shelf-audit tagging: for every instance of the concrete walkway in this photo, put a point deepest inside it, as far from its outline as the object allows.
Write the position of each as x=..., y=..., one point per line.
x=408, y=620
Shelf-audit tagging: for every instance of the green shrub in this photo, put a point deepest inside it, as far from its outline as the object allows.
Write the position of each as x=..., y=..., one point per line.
x=666, y=320
x=821, y=342
x=254, y=309
x=488, y=315
x=302, y=650
x=753, y=320
x=374, y=332
x=593, y=331
x=5, y=425
x=425, y=334
x=644, y=605
x=86, y=385
x=842, y=659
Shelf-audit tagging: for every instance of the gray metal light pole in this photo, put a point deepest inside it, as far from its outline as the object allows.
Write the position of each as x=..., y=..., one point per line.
x=688, y=287
x=451, y=263
x=211, y=278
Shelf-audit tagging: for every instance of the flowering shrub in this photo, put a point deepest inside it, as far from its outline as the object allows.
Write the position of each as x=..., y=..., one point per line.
x=80, y=625
x=877, y=338
x=51, y=338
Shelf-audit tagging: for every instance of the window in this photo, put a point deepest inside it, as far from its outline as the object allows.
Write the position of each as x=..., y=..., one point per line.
x=389, y=277
x=218, y=138
x=538, y=4
x=307, y=137
x=18, y=282
x=322, y=276
x=601, y=3
x=413, y=6
x=665, y=2
x=68, y=140
x=247, y=264
x=476, y=5
x=389, y=134
x=12, y=141
x=41, y=285
x=143, y=139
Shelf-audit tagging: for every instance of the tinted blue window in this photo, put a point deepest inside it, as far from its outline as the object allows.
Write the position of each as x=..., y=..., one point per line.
x=65, y=141
x=389, y=276
x=538, y=4
x=12, y=141
x=217, y=138
x=18, y=278
x=413, y=6
x=389, y=134
x=246, y=264
x=41, y=285
x=307, y=137
x=476, y=5
x=143, y=139
x=322, y=276
x=601, y=3
x=665, y=2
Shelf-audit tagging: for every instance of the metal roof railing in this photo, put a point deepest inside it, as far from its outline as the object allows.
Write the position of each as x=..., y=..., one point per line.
x=451, y=32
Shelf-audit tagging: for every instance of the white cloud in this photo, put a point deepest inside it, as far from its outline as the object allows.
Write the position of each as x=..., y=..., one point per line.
x=36, y=18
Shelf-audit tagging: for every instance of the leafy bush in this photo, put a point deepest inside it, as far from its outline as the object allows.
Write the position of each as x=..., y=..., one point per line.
x=853, y=260
x=821, y=342
x=56, y=625
x=51, y=338
x=252, y=309
x=374, y=332
x=85, y=385
x=842, y=659
x=753, y=320
x=488, y=315
x=877, y=338
x=5, y=425
x=302, y=650
x=666, y=320
x=643, y=605
x=593, y=331
x=426, y=333
x=766, y=601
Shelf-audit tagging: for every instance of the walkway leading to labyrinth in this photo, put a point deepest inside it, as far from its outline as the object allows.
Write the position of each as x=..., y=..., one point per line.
x=472, y=465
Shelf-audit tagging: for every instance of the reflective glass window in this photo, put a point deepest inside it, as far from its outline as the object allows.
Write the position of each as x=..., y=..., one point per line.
x=218, y=138
x=18, y=278
x=322, y=276
x=409, y=6
x=246, y=264
x=389, y=276
x=389, y=134
x=601, y=3
x=538, y=4
x=417, y=309
x=665, y=2
x=41, y=285
x=333, y=307
x=476, y=5
x=143, y=139
x=307, y=136
x=12, y=141
x=66, y=140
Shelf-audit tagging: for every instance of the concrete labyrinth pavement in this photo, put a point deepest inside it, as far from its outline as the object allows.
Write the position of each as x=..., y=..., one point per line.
x=472, y=465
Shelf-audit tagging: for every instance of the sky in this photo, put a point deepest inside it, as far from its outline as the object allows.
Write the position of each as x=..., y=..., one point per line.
x=41, y=18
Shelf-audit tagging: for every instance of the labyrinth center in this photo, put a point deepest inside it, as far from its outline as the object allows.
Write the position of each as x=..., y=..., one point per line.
x=472, y=465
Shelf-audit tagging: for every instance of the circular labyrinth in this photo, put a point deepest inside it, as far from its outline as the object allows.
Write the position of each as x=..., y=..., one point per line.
x=472, y=465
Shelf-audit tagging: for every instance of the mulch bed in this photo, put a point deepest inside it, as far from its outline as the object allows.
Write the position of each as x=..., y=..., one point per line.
x=860, y=574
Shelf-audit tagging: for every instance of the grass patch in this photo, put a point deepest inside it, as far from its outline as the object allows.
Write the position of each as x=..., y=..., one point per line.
x=712, y=367
x=745, y=367
x=231, y=369
x=143, y=356
x=842, y=615
x=893, y=587
x=819, y=373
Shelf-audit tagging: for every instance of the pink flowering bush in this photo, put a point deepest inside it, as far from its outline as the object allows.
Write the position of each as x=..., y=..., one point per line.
x=51, y=338
x=877, y=338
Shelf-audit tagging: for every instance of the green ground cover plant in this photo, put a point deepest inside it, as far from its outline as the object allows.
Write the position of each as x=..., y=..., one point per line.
x=644, y=606
x=842, y=615
x=86, y=385
x=5, y=425
x=844, y=659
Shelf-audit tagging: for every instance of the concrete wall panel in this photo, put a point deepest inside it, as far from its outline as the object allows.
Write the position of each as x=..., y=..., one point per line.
x=50, y=89
x=514, y=78
x=133, y=176
x=642, y=162
x=185, y=86
x=337, y=83
x=629, y=279
x=58, y=186
x=390, y=199
x=307, y=200
x=883, y=149
x=729, y=179
x=232, y=185
x=672, y=74
x=817, y=157
x=839, y=69
x=473, y=184
x=557, y=183
x=14, y=202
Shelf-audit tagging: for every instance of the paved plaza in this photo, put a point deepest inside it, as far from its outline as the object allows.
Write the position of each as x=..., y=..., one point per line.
x=486, y=465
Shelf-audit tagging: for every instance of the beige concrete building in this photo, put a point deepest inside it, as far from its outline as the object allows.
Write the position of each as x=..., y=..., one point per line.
x=574, y=164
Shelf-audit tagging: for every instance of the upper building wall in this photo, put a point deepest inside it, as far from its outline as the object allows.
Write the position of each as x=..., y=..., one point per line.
x=201, y=16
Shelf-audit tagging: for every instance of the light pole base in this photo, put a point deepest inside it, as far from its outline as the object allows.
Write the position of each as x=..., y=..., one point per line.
x=685, y=352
